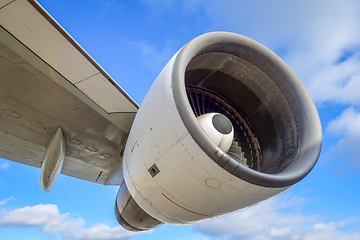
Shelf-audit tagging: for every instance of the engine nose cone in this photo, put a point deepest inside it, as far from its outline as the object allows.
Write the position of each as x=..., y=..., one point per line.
x=218, y=128
x=222, y=124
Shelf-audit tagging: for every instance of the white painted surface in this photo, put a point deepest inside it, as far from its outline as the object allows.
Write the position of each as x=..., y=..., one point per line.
x=4, y=2
x=223, y=141
x=101, y=91
x=62, y=62
x=54, y=158
x=28, y=153
x=181, y=193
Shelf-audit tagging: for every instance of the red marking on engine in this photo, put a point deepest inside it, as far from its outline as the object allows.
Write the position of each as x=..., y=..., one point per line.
x=183, y=207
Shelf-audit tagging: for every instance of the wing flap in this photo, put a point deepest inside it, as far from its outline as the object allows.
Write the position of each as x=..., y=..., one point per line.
x=97, y=86
x=48, y=81
x=21, y=151
x=36, y=29
x=31, y=154
x=82, y=170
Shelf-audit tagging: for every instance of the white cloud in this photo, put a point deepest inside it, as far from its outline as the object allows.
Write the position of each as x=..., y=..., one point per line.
x=347, y=126
x=6, y=200
x=53, y=222
x=280, y=232
x=4, y=166
x=347, y=123
x=320, y=40
x=270, y=220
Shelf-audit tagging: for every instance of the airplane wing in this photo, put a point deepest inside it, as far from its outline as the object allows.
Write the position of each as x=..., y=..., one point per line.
x=47, y=81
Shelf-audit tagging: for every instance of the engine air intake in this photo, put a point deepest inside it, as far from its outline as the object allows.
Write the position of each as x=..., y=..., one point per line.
x=244, y=148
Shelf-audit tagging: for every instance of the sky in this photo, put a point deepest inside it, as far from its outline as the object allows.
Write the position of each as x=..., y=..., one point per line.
x=133, y=40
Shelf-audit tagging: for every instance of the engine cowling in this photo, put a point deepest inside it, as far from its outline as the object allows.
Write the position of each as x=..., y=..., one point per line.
x=175, y=173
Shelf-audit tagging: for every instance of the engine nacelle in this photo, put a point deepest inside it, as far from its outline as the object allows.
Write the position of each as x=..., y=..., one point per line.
x=175, y=173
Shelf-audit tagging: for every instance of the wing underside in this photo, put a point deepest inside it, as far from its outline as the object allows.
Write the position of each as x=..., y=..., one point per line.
x=48, y=81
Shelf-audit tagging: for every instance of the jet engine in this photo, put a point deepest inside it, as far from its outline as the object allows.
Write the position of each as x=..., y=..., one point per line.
x=227, y=124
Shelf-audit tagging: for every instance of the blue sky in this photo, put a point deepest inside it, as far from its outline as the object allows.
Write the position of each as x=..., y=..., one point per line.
x=133, y=40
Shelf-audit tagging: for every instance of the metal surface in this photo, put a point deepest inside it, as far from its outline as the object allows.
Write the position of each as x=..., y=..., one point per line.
x=130, y=215
x=267, y=94
x=173, y=172
x=218, y=128
x=244, y=147
x=54, y=158
x=190, y=186
x=42, y=89
x=37, y=30
x=198, y=181
x=222, y=124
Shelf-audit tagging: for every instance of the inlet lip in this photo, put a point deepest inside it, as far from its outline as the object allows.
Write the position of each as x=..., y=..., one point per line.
x=306, y=115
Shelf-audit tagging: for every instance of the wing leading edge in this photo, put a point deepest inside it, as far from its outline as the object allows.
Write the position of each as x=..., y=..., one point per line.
x=48, y=81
